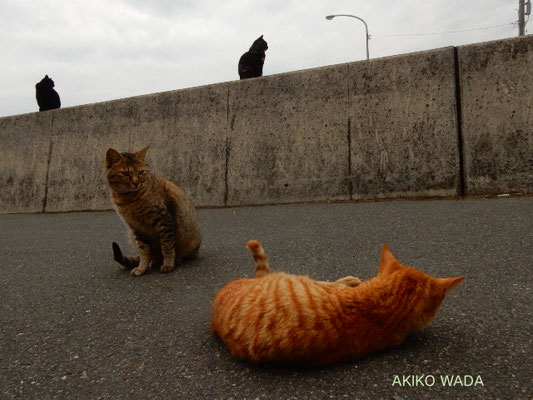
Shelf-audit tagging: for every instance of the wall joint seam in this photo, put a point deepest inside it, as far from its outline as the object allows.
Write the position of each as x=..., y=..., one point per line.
x=226, y=163
x=459, y=115
x=50, y=146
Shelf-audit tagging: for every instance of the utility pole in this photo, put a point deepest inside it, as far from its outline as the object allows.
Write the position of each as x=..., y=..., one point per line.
x=521, y=19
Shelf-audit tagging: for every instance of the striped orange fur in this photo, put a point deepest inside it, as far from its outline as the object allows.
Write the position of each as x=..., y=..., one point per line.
x=160, y=215
x=277, y=317
x=260, y=257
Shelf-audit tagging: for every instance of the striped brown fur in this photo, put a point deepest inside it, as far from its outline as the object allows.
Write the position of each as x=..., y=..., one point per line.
x=277, y=317
x=160, y=216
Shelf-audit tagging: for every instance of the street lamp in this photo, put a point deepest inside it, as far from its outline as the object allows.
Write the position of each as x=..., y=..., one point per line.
x=330, y=17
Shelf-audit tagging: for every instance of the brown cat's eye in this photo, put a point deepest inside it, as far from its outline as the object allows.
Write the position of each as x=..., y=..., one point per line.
x=126, y=174
x=141, y=173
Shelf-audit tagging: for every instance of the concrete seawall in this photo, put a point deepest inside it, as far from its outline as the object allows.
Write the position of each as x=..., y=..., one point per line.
x=497, y=115
x=445, y=122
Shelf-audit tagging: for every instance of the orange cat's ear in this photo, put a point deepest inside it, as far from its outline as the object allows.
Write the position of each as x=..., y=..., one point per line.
x=141, y=153
x=112, y=157
x=388, y=262
x=449, y=283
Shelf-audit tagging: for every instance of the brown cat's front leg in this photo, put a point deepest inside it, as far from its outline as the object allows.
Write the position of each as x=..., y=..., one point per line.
x=167, y=237
x=144, y=256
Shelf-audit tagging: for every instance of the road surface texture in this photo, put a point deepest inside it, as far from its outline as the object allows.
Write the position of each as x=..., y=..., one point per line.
x=75, y=325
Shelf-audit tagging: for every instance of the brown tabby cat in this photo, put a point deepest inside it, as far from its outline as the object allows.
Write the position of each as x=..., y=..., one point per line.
x=160, y=215
x=277, y=317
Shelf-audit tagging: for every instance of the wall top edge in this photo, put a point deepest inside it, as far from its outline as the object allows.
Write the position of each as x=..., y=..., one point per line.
x=302, y=71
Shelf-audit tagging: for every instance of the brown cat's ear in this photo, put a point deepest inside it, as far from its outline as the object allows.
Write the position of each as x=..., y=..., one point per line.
x=112, y=157
x=139, y=155
x=388, y=262
x=449, y=283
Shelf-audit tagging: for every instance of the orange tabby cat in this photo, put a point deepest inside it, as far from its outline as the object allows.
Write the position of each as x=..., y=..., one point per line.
x=160, y=215
x=277, y=317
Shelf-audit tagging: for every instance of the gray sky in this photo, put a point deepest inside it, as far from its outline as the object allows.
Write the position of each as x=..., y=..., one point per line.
x=103, y=50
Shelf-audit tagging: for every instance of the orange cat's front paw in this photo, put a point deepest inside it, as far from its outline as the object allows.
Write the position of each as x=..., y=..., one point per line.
x=166, y=268
x=351, y=281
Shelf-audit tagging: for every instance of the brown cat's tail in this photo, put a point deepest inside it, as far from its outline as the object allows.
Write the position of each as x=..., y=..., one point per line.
x=128, y=262
x=260, y=257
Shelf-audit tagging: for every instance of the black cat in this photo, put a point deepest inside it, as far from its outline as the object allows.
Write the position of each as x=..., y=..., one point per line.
x=47, y=97
x=251, y=62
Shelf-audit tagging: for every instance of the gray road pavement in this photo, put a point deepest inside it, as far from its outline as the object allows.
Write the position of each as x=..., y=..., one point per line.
x=74, y=325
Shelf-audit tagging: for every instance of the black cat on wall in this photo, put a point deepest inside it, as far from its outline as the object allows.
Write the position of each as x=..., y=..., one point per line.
x=47, y=97
x=251, y=62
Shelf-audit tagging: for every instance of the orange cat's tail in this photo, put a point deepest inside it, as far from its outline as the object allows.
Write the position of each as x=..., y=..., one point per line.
x=260, y=257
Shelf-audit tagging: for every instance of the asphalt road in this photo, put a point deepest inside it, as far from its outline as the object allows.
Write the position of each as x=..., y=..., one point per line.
x=75, y=325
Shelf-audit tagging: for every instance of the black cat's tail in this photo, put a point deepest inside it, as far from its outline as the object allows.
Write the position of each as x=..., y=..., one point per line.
x=128, y=262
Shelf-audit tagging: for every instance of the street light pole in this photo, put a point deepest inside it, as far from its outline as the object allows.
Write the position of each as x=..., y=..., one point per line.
x=330, y=17
x=521, y=19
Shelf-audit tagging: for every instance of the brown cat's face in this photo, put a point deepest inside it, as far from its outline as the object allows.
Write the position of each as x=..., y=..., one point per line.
x=431, y=290
x=126, y=172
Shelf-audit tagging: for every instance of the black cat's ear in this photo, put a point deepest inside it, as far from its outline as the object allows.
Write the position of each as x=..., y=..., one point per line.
x=112, y=157
x=261, y=37
x=46, y=77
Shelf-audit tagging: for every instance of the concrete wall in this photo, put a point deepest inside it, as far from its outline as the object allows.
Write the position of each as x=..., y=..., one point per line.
x=403, y=126
x=184, y=129
x=288, y=138
x=435, y=123
x=24, y=159
x=497, y=115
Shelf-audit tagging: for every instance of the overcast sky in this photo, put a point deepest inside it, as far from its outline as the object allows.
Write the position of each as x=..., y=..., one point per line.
x=108, y=49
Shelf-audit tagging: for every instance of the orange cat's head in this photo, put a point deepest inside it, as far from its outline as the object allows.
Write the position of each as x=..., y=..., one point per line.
x=126, y=172
x=409, y=280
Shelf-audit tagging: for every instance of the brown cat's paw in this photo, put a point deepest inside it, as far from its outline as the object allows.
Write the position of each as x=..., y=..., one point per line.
x=351, y=281
x=138, y=271
x=166, y=268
